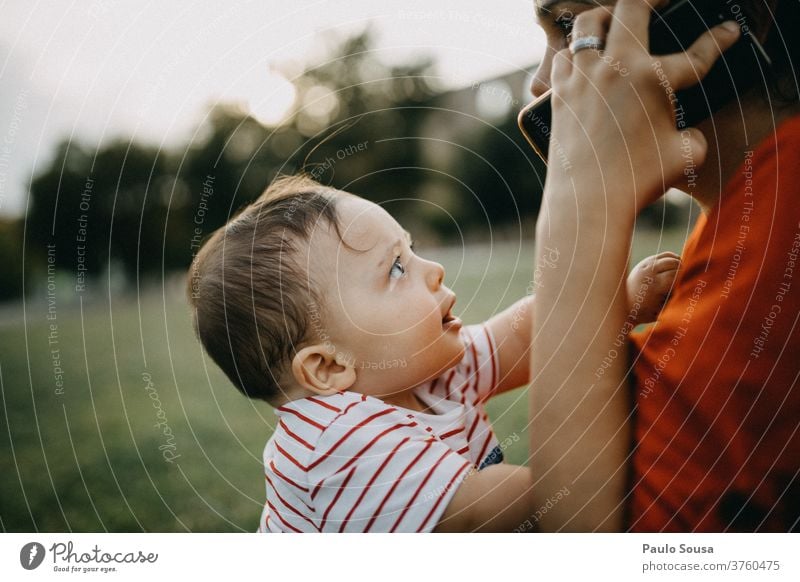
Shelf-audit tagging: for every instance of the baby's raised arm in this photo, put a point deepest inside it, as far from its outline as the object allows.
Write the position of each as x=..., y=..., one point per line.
x=648, y=286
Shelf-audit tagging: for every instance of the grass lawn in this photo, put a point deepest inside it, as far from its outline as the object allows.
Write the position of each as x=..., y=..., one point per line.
x=142, y=433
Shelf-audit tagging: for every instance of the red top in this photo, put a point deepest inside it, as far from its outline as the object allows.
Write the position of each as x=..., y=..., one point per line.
x=718, y=398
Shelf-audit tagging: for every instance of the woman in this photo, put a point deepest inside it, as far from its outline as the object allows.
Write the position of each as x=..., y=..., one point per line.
x=716, y=430
x=580, y=419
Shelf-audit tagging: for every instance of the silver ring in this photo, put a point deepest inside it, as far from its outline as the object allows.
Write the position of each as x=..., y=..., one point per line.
x=586, y=42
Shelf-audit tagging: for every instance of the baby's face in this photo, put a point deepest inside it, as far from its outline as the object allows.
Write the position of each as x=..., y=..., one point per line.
x=388, y=313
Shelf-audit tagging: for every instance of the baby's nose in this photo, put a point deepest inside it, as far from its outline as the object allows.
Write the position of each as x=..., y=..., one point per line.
x=435, y=275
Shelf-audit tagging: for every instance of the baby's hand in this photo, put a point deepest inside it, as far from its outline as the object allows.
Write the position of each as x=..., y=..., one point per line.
x=649, y=285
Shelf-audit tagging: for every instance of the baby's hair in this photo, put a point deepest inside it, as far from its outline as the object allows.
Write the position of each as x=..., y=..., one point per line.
x=251, y=298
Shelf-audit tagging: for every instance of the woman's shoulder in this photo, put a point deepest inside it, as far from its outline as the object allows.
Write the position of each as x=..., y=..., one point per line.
x=789, y=131
x=782, y=144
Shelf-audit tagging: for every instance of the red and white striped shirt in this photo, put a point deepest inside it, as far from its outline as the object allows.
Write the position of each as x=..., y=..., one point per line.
x=353, y=463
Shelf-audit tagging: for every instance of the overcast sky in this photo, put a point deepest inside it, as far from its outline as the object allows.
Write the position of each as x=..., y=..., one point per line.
x=102, y=68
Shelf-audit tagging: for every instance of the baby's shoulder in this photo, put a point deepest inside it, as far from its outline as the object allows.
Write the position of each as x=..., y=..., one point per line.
x=347, y=417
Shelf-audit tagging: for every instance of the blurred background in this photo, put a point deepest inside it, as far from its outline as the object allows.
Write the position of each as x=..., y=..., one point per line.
x=130, y=131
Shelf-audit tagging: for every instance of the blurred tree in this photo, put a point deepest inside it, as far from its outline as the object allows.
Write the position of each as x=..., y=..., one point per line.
x=504, y=174
x=357, y=124
x=363, y=120
x=55, y=209
x=11, y=275
x=95, y=207
x=349, y=129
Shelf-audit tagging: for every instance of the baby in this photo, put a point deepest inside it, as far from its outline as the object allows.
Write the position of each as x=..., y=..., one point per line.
x=314, y=300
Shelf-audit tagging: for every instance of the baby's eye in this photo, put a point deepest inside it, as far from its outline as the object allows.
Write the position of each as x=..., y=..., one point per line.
x=397, y=266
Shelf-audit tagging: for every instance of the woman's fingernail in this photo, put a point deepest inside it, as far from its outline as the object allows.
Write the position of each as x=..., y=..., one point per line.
x=730, y=26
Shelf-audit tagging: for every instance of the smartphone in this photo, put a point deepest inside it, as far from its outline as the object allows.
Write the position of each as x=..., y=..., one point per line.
x=674, y=29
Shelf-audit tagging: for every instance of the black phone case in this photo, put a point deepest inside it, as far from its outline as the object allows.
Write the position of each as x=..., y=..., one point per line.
x=672, y=30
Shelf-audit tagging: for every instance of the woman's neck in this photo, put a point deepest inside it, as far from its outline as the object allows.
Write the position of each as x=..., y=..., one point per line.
x=735, y=129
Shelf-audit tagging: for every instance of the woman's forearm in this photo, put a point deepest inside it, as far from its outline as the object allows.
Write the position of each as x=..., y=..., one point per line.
x=579, y=402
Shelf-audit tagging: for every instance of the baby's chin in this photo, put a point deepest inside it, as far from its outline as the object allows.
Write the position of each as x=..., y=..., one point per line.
x=410, y=371
x=449, y=358
x=434, y=367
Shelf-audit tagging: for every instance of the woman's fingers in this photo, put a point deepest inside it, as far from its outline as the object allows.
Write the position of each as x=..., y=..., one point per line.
x=630, y=31
x=591, y=23
x=643, y=162
x=692, y=144
x=561, y=68
x=686, y=69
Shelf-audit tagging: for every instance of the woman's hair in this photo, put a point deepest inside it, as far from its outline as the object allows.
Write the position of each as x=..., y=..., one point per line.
x=779, y=21
x=251, y=300
x=783, y=47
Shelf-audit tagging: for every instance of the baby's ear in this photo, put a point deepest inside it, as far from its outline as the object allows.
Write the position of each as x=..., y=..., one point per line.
x=316, y=369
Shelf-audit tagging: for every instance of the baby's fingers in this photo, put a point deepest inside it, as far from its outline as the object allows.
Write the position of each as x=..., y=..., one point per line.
x=664, y=264
x=659, y=262
x=666, y=255
x=686, y=69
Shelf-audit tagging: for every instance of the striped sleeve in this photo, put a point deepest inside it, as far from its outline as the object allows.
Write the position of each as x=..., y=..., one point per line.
x=375, y=470
x=477, y=373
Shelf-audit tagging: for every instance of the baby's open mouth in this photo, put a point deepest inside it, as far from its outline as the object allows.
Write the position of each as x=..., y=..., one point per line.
x=450, y=320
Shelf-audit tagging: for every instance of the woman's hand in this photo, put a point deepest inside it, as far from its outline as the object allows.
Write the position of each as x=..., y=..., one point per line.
x=615, y=133
x=649, y=285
